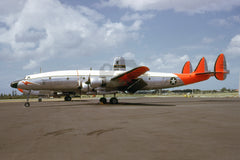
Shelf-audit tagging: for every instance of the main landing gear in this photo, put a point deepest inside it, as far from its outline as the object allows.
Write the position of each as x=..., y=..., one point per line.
x=68, y=98
x=113, y=100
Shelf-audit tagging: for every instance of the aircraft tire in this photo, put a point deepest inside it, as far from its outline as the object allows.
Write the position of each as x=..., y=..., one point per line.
x=26, y=104
x=103, y=100
x=39, y=99
x=114, y=100
x=68, y=98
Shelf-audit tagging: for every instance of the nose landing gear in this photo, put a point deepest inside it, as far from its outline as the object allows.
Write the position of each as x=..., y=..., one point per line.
x=27, y=104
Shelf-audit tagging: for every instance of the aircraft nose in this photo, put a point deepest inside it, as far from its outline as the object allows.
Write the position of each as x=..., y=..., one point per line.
x=14, y=84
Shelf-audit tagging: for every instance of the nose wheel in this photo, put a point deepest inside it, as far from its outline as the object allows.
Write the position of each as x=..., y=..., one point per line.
x=27, y=104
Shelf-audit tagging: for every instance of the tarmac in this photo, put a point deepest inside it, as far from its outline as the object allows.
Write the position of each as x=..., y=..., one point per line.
x=172, y=128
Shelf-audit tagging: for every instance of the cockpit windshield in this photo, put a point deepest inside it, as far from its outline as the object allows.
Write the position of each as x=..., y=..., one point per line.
x=27, y=77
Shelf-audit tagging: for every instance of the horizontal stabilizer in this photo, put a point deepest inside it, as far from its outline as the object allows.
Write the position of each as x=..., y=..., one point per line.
x=220, y=68
x=202, y=66
x=187, y=68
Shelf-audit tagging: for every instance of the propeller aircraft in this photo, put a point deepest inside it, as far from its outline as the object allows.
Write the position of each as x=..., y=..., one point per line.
x=95, y=82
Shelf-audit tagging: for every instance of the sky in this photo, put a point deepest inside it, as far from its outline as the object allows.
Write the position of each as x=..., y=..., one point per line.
x=82, y=34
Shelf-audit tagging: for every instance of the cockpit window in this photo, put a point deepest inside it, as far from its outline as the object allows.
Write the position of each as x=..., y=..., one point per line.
x=27, y=77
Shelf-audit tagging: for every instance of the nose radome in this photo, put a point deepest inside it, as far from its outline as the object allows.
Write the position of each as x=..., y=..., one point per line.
x=14, y=84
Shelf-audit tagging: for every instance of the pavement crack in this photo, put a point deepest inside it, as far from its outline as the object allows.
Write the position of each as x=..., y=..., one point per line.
x=101, y=131
x=59, y=132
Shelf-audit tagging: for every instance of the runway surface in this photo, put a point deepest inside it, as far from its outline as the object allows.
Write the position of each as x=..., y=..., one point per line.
x=141, y=128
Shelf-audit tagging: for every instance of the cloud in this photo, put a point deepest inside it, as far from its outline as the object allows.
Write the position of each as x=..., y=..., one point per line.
x=196, y=6
x=228, y=21
x=207, y=40
x=31, y=64
x=233, y=48
x=129, y=55
x=136, y=16
x=168, y=62
x=11, y=6
x=41, y=30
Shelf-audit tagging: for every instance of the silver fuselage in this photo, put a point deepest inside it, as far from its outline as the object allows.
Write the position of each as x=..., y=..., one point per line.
x=71, y=80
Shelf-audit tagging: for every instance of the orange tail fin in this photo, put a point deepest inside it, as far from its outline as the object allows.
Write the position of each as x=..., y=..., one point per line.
x=187, y=68
x=220, y=68
x=202, y=66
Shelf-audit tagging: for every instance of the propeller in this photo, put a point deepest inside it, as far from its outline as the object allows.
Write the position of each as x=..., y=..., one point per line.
x=88, y=82
x=82, y=85
x=79, y=84
x=80, y=88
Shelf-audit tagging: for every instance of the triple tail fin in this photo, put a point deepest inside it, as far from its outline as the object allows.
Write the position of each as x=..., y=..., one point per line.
x=202, y=67
x=220, y=68
x=187, y=68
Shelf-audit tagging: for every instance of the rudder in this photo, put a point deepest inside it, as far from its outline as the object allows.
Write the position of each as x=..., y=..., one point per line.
x=202, y=66
x=220, y=68
x=187, y=68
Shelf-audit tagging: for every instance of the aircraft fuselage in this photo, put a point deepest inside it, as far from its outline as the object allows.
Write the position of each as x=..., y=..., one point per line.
x=71, y=80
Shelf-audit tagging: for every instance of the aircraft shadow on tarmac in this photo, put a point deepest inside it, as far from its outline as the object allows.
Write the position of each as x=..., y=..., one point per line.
x=145, y=104
x=86, y=103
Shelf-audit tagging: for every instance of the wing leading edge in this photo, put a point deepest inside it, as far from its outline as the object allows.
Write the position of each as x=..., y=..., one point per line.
x=132, y=74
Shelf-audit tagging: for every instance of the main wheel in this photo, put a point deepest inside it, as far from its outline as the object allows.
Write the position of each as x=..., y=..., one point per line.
x=40, y=99
x=114, y=100
x=27, y=104
x=68, y=98
x=103, y=100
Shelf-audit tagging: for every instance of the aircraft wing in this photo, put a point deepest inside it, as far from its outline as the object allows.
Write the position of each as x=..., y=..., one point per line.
x=132, y=74
x=129, y=80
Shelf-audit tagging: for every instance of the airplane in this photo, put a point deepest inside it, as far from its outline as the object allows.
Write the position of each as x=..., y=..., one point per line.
x=95, y=82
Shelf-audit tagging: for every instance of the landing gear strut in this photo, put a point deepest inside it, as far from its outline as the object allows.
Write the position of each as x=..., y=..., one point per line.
x=27, y=104
x=114, y=100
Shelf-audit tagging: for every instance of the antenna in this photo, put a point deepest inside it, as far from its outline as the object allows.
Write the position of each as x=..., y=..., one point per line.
x=40, y=69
